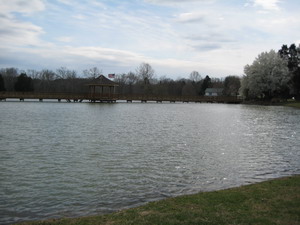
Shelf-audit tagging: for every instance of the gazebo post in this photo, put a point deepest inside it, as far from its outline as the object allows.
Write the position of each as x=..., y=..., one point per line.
x=110, y=88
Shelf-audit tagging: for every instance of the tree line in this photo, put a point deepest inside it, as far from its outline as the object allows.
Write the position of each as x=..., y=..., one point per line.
x=142, y=81
x=273, y=75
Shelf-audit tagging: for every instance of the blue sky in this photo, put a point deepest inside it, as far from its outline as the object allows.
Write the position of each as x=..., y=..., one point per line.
x=176, y=37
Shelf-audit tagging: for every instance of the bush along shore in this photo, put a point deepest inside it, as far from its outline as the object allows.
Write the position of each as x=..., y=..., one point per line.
x=271, y=202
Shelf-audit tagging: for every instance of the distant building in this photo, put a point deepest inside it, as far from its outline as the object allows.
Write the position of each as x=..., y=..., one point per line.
x=214, y=91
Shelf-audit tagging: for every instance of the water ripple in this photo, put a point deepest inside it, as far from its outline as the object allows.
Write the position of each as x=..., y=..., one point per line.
x=67, y=160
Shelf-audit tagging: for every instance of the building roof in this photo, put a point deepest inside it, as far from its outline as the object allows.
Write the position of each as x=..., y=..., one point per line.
x=103, y=81
x=214, y=90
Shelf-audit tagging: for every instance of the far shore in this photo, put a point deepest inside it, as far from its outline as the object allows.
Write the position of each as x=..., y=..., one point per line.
x=289, y=103
x=293, y=104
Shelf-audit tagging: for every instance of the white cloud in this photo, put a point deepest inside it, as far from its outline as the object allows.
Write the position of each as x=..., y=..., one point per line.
x=213, y=37
x=191, y=17
x=21, y=6
x=17, y=33
x=99, y=53
x=172, y=2
x=270, y=5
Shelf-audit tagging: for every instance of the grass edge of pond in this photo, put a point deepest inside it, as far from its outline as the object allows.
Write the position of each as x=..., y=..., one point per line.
x=293, y=104
x=274, y=201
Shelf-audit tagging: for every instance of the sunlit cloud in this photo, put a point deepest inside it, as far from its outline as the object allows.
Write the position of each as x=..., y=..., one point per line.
x=268, y=4
x=191, y=17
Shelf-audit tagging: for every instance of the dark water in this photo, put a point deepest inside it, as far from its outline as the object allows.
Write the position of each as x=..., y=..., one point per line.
x=68, y=159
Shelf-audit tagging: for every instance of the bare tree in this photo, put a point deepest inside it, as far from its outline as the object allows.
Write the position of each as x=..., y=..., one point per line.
x=62, y=73
x=43, y=81
x=34, y=74
x=195, y=76
x=131, y=78
x=92, y=73
x=145, y=73
x=188, y=89
x=10, y=77
x=46, y=75
x=232, y=85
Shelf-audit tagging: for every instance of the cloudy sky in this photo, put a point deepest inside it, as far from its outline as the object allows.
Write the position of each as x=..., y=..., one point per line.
x=176, y=37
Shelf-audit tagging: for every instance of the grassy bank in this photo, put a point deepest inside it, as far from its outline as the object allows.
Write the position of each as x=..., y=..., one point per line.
x=293, y=104
x=271, y=202
x=289, y=103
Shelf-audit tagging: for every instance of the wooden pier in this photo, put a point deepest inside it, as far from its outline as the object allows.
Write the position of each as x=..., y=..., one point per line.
x=111, y=98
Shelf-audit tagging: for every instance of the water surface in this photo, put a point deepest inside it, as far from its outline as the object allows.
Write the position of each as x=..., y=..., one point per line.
x=75, y=159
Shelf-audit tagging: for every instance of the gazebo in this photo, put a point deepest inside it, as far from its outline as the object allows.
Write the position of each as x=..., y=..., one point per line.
x=103, y=90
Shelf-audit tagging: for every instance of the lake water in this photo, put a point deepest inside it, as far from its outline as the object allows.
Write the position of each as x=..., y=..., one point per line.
x=75, y=159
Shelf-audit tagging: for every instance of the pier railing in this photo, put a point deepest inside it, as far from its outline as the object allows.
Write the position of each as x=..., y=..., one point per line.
x=160, y=98
x=114, y=97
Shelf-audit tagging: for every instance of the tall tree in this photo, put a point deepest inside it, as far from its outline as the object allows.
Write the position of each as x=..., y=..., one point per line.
x=2, y=85
x=64, y=73
x=195, y=76
x=131, y=81
x=24, y=83
x=267, y=77
x=206, y=83
x=292, y=56
x=296, y=83
x=145, y=73
x=33, y=74
x=232, y=85
x=10, y=77
x=45, y=81
x=92, y=73
x=188, y=89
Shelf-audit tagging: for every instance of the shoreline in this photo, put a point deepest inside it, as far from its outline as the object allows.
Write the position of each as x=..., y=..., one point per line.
x=294, y=104
x=275, y=201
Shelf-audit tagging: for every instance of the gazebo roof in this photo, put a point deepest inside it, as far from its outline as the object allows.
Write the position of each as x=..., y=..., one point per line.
x=103, y=81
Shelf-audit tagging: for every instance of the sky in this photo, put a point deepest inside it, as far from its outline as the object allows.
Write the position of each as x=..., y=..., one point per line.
x=214, y=37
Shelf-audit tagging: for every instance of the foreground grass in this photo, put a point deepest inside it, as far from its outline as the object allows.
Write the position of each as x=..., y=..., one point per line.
x=271, y=202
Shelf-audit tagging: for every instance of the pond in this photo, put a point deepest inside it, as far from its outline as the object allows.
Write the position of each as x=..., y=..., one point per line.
x=76, y=159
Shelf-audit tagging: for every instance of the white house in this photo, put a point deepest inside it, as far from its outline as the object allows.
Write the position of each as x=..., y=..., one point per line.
x=214, y=91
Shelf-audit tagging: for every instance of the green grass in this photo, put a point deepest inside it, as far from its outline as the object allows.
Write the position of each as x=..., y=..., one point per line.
x=293, y=104
x=271, y=202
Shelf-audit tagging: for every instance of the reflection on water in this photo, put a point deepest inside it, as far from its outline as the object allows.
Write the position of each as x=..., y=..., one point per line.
x=62, y=159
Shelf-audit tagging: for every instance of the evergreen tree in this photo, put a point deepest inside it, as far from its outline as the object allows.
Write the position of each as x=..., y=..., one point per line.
x=206, y=83
x=292, y=56
x=2, y=85
x=24, y=83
